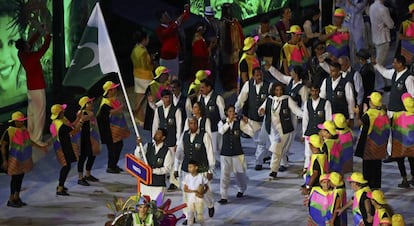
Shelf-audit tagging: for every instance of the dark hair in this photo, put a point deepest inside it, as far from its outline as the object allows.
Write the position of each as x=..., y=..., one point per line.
x=176, y=82
x=256, y=69
x=265, y=20
x=207, y=82
x=335, y=65
x=165, y=92
x=193, y=162
x=228, y=107
x=274, y=85
x=139, y=36
x=20, y=43
x=401, y=59
x=298, y=70
x=159, y=14
x=284, y=9
x=315, y=86
x=202, y=108
x=164, y=132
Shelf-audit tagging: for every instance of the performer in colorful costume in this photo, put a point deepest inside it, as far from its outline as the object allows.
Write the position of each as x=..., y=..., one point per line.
x=407, y=35
x=112, y=125
x=318, y=164
x=248, y=60
x=339, y=199
x=373, y=139
x=294, y=51
x=337, y=36
x=342, y=161
x=320, y=203
x=332, y=146
x=16, y=151
x=383, y=211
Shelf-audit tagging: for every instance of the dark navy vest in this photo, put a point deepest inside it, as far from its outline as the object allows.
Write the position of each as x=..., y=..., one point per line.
x=212, y=111
x=255, y=100
x=195, y=150
x=169, y=124
x=316, y=116
x=398, y=88
x=294, y=93
x=337, y=97
x=284, y=115
x=156, y=161
x=231, y=140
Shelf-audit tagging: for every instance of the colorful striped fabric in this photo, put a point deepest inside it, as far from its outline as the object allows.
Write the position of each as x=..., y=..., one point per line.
x=323, y=163
x=345, y=164
x=403, y=134
x=337, y=44
x=119, y=128
x=320, y=206
x=294, y=56
x=54, y=131
x=356, y=212
x=20, y=151
x=334, y=154
x=378, y=133
x=407, y=46
x=341, y=194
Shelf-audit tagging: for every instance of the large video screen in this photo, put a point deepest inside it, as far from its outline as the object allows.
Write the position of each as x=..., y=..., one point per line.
x=242, y=9
x=20, y=19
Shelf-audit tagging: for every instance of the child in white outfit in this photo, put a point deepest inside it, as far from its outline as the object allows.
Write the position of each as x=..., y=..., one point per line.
x=195, y=185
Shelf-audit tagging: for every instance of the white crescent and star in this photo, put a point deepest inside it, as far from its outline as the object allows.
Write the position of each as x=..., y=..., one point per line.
x=94, y=48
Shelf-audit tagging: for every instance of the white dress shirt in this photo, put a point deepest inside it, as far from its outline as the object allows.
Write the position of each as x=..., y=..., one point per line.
x=223, y=127
x=349, y=94
x=359, y=88
x=305, y=119
x=178, y=121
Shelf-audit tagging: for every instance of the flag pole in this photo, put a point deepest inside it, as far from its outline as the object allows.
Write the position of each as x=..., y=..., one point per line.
x=134, y=124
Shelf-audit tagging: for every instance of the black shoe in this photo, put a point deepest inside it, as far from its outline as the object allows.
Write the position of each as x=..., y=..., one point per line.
x=282, y=168
x=62, y=193
x=258, y=167
x=91, y=178
x=13, y=204
x=172, y=187
x=239, y=194
x=404, y=184
x=222, y=201
x=266, y=159
x=120, y=169
x=273, y=175
x=211, y=212
x=83, y=182
x=19, y=201
x=388, y=160
x=110, y=170
x=185, y=222
x=64, y=188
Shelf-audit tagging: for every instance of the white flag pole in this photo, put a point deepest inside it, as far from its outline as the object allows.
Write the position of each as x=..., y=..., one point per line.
x=142, y=156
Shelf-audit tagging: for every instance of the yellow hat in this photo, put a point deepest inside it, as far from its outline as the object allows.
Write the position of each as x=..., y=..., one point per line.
x=378, y=196
x=339, y=12
x=397, y=220
x=336, y=179
x=249, y=42
x=411, y=8
x=376, y=99
x=161, y=70
x=17, y=116
x=339, y=120
x=328, y=126
x=357, y=177
x=324, y=177
x=316, y=141
x=408, y=102
x=108, y=86
x=201, y=74
x=56, y=109
x=84, y=100
x=295, y=29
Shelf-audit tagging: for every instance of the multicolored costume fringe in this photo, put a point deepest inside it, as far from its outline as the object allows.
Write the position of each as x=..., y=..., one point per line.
x=337, y=44
x=341, y=193
x=356, y=212
x=407, y=46
x=378, y=133
x=294, y=56
x=320, y=206
x=54, y=130
x=403, y=135
x=379, y=217
x=345, y=164
x=334, y=154
x=20, y=151
x=118, y=125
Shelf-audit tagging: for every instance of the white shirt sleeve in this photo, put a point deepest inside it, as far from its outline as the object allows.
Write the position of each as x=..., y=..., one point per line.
x=263, y=106
x=409, y=83
x=359, y=88
x=223, y=127
x=294, y=107
x=168, y=164
x=304, y=95
x=305, y=118
x=155, y=122
x=179, y=154
x=279, y=76
x=386, y=73
x=138, y=149
x=209, y=149
x=221, y=105
x=188, y=107
x=325, y=67
x=323, y=89
x=241, y=99
x=349, y=94
x=178, y=123
x=208, y=126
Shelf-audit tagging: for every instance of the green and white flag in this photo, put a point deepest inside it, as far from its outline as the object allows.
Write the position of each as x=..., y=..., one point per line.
x=94, y=56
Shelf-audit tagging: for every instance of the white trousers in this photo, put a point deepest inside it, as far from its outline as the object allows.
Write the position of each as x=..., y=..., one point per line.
x=195, y=209
x=261, y=139
x=236, y=165
x=216, y=140
x=307, y=153
x=278, y=142
x=173, y=180
x=36, y=113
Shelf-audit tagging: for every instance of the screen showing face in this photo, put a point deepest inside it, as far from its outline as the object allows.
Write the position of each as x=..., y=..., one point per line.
x=20, y=19
x=241, y=9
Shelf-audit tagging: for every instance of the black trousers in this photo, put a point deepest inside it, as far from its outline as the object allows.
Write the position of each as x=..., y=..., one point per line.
x=64, y=171
x=82, y=158
x=16, y=183
x=401, y=166
x=371, y=169
x=114, y=152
